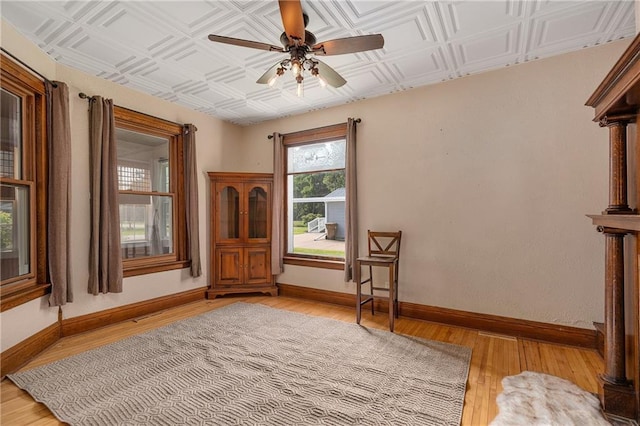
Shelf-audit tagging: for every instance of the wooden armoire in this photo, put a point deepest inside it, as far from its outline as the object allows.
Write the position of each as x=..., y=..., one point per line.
x=240, y=233
x=616, y=102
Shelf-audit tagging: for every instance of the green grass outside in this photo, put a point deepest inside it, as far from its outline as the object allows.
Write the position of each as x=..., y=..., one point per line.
x=299, y=227
x=319, y=252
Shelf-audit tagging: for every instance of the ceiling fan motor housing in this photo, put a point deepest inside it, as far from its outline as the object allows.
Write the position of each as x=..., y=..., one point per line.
x=309, y=39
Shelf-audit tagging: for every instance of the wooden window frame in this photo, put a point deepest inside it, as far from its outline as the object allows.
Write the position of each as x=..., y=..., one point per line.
x=19, y=81
x=147, y=124
x=308, y=137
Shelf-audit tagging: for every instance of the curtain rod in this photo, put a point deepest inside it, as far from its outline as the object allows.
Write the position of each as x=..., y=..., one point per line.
x=357, y=120
x=82, y=95
x=91, y=98
x=28, y=67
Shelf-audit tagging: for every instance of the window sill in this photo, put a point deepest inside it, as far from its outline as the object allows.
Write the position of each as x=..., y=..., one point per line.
x=314, y=262
x=15, y=297
x=132, y=271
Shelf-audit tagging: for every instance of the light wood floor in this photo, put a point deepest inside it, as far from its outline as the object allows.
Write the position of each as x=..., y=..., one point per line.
x=494, y=356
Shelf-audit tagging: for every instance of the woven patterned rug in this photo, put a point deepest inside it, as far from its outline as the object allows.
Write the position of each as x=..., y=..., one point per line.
x=254, y=365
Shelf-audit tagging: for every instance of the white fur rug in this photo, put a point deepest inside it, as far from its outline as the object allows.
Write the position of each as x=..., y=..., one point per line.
x=540, y=399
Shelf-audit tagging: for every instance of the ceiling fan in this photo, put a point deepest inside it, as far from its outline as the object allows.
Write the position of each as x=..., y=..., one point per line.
x=298, y=43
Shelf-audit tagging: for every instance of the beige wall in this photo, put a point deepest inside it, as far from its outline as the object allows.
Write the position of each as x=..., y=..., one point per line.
x=489, y=177
x=216, y=151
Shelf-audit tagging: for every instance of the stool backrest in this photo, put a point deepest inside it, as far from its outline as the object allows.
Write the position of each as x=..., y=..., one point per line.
x=384, y=244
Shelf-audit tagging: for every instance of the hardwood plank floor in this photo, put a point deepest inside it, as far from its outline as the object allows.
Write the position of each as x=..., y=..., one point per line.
x=494, y=356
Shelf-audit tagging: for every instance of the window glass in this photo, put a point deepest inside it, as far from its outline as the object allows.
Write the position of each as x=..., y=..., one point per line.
x=11, y=135
x=142, y=161
x=145, y=225
x=316, y=157
x=316, y=199
x=146, y=218
x=15, y=231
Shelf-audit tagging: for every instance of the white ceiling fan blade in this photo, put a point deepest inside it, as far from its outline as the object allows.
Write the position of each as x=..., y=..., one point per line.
x=329, y=75
x=267, y=76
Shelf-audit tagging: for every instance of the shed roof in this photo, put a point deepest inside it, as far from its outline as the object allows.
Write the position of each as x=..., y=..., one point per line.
x=340, y=192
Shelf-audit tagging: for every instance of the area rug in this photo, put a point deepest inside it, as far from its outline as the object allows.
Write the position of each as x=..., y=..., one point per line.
x=254, y=365
x=531, y=398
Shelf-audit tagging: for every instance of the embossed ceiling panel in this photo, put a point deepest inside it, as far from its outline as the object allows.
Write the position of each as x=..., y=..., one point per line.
x=161, y=47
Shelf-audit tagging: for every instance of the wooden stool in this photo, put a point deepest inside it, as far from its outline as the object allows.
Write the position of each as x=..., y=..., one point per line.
x=384, y=250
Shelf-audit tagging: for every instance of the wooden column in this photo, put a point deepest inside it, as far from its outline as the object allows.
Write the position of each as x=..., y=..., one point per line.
x=617, y=166
x=614, y=307
x=616, y=391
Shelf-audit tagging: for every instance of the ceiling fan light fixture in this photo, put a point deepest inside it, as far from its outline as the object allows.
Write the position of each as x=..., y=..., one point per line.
x=274, y=78
x=300, y=87
x=296, y=67
x=316, y=73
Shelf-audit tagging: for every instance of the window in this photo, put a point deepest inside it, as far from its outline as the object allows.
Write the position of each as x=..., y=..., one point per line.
x=23, y=183
x=315, y=196
x=150, y=182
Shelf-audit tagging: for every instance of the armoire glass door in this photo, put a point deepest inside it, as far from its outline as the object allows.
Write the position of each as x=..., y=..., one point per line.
x=228, y=212
x=257, y=214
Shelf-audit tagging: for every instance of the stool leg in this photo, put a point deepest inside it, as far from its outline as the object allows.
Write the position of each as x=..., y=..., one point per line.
x=358, y=296
x=371, y=284
x=396, y=289
x=392, y=296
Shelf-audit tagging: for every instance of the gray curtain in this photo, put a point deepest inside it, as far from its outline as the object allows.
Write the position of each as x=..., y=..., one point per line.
x=191, y=198
x=351, y=207
x=105, y=256
x=59, y=193
x=277, y=220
